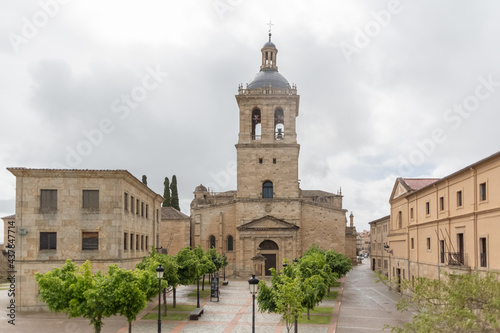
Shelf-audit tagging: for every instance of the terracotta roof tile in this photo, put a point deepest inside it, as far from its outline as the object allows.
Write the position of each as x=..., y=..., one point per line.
x=417, y=183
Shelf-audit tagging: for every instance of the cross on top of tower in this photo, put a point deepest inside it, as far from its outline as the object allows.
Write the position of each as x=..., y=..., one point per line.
x=270, y=24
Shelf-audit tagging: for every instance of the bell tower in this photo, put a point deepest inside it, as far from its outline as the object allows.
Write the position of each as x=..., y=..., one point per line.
x=267, y=148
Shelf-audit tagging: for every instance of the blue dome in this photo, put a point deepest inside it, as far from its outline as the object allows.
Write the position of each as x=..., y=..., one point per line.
x=268, y=77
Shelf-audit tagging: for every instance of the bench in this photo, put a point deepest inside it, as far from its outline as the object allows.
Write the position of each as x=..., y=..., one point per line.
x=195, y=314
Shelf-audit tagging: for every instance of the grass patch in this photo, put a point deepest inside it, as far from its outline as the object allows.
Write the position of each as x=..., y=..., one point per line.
x=336, y=284
x=333, y=295
x=320, y=320
x=203, y=293
x=320, y=310
x=169, y=316
x=179, y=307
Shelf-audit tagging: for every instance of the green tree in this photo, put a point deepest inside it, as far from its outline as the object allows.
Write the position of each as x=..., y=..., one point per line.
x=285, y=296
x=167, y=202
x=454, y=303
x=175, y=194
x=75, y=291
x=145, y=180
x=314, y=273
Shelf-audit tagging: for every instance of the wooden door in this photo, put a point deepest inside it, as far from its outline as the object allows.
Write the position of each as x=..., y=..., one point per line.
x=270, y=262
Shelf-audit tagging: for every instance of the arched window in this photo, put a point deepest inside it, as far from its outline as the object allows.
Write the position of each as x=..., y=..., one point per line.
x=267, y=189
x=212, y=241
x=230, y=246
x=268, y=245
x=256, y=125
x=279, y=124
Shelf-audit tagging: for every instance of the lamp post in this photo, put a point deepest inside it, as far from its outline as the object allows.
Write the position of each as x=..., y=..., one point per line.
x=159, y=275
x=225, y=268
x=254, y=288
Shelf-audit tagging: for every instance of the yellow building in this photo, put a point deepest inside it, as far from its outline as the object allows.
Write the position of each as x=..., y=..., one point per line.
x=447, y=224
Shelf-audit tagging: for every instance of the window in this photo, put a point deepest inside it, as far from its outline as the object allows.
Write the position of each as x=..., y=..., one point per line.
x=411, y=213
x=400, y=220
x=142, y=242
x=90, y=240
x=132, y=241
x=132, y=204
x=147, y=242
x=147, y=211
x=91, y=199
x=125, y=201
x=379, y=261
x=441, y=250
x=260, y=160
x=279, y=127
x=157, y=215
x=137, y=242
x=212, y=242
x=441, y=203
x=428, y=243
x=267, y=190
x=459, y=198
x=48, y=199
x=385, y=264
x=230, y=245
x=125, y=240
x=482, y=252
x=48, y=240
x=482, y=192
x=412, y=243
x=256, y=125
x=142, y=209
x=274, y=161
x=427, y=208
x=137, y=207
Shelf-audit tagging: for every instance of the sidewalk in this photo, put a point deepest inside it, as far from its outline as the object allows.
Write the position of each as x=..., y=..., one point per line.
x=365, y=305
x=361, y=306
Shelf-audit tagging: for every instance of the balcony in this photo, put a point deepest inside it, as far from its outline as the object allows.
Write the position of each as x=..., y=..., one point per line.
x=457, y=259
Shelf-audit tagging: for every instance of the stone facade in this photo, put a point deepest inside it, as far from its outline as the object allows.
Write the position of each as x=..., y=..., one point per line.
x=175, y=229
x=378, y=238
x=448, y=224
x=268, y=215
x=103, y=216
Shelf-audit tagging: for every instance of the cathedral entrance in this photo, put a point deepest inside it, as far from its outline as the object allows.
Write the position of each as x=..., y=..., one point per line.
x=270, y=263
x=269, y=251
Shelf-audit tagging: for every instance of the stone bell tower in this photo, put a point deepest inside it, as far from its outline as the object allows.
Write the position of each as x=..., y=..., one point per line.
x=267, y=149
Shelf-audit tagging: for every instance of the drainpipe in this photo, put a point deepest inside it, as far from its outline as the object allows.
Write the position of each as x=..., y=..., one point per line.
x=475, y=217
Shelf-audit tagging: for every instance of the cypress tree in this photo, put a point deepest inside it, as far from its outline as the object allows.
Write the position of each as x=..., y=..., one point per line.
x=166, y=194
x=175, y=194
x=145, y=180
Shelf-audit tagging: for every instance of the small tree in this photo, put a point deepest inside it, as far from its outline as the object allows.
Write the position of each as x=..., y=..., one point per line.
x=175, y=194
x=166, y=193
x=145, y=180
x=285, y=296
x=454, y=303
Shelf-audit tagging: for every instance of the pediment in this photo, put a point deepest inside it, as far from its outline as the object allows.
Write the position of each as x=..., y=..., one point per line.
x=267, y=223
x=399, y=189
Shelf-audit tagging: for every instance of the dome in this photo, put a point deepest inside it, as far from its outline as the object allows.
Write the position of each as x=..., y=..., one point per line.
x=269, y=44
x=268, y=77
x=200, y=188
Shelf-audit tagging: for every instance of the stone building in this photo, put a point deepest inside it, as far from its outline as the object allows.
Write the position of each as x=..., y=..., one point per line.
x=378, y=241
x=363, y=242
x=268, y=214
x=175, y=230
x=448, y=224
x=106, y=216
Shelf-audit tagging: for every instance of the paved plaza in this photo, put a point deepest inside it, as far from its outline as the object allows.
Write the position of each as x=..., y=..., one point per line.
x=362, y=306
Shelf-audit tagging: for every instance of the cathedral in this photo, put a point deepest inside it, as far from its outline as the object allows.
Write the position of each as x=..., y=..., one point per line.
x=269, y=217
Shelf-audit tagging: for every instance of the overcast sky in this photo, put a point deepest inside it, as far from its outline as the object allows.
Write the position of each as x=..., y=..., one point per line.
x=387, y=89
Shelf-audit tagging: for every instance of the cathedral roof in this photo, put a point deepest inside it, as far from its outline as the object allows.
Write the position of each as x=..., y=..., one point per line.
x=317, y=193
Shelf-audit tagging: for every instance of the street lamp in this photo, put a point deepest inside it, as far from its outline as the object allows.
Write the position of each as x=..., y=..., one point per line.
x=159, y=275
x=225, y=258
x=254, y=289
